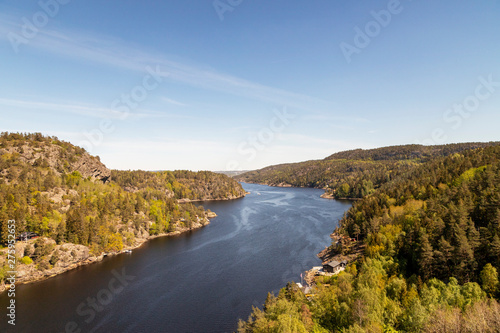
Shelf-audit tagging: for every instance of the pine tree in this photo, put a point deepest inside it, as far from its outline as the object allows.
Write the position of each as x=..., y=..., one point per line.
x=463, y=257
x=494, y=251
x=473, y=236
x=425, y=255
x=443, y=256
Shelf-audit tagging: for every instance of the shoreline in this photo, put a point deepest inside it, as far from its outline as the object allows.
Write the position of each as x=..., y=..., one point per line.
x=185, y=200
x=331, y=197
x=324, y=195
x=95, y=259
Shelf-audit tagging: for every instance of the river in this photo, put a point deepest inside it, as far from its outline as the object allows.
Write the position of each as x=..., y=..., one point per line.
x=201, y=281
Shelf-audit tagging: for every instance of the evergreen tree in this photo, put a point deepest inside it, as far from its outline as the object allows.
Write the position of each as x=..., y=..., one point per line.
x=425, y=256
x=494, y=251
x=443, y=256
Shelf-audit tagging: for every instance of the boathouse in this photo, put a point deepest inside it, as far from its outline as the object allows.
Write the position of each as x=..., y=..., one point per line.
x=334, y=266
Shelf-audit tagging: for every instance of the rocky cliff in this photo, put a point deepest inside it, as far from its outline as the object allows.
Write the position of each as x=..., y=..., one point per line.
x=59, y=157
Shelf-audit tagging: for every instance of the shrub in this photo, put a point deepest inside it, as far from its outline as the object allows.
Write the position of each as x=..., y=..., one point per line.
x=43, y=265
x=26, y=260
x=28, y=250
x=42, y=248
x=54, y=258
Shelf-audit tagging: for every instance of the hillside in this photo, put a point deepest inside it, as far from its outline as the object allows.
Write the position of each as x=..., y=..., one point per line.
x=21, y=154
x=181, y=184
x=408, y=152
x=430, y=257
x=82, y=210
x=355, y=173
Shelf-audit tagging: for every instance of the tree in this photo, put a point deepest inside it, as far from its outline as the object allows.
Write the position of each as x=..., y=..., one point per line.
x=494, y=250
x=463, y=256
x=443, y=256
x=473, y=235
x=425, y=255
x=356, y=231
x=344, y=190
x=489, y=279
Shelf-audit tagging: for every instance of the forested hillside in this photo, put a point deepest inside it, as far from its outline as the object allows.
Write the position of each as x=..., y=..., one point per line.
x=355, y=173
x=446, y=217
x=60, y=192
x=418, y=153
x=431, y=257
x=203, y=185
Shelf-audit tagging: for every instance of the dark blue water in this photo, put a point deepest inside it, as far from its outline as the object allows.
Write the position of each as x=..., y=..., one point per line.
x=203, y=281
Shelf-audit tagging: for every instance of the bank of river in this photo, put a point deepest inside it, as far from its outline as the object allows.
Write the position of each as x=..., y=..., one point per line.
x=201, y=281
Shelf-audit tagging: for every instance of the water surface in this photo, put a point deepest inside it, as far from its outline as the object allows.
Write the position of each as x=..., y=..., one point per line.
x=202, y=281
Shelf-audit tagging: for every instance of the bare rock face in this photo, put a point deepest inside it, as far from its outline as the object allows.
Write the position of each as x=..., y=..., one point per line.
x=90, y=166
x=70, y=253
x=62, y=159
x=57, y=259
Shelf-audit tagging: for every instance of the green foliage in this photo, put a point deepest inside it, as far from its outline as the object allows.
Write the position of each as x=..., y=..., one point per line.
x=54, y=258
x=285, y=313
x=50, y=196
x=451, y=230
x=26, y=260
x=203, y=185
x=42, y=249
x=73, y=179
x=43, y=265
x=468, y=175
x=3, y=273
x=373, y=301
x=358, y=173
x=431, y=235
x=489, y=279
x=153, y=230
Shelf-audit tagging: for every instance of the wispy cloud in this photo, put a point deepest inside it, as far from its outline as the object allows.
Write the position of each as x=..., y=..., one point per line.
x=323, y=117
x=116, y=53
x=172, y=101
x=85, y=110
x=166, y=145
x=80, y=109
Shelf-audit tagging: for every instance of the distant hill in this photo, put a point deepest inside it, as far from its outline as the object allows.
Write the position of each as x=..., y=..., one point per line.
x=408, y=152
x=232, y=173
x=355, y=173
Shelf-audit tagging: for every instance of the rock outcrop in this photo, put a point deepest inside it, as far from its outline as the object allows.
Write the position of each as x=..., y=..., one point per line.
x=56, y=157
x=56, y=259
x=90, y=166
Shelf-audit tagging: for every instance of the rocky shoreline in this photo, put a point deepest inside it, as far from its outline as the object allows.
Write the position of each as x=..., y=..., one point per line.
x=231, y=197
x=328, y=254
x=74, y=255
x=327, y=195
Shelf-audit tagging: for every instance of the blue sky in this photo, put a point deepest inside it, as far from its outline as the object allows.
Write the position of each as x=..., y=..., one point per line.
x=240, y=84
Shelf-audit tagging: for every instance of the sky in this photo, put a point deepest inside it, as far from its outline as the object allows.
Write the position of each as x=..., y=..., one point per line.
x=240, y=85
